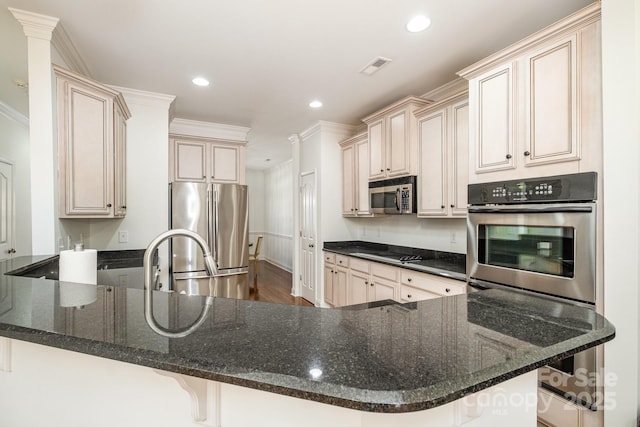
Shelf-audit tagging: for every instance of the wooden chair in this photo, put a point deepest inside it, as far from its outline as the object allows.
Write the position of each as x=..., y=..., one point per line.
x=253, y=258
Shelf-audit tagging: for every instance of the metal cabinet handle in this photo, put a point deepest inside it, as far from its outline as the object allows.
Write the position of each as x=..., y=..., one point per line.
x=388, y=169
x=11, y=251
x=366, y=283
x=109, y=205
x=453, y=206
x=381, y=170
x=508, y=156
x=526, y=153
x=123, y=207
x=447, y=290
x=311, y=245
x=371, y=284
x=409, y=279
x=408, y=295
x=441, y=206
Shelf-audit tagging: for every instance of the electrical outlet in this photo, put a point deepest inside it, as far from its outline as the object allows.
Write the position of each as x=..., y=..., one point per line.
x=453, y=237
x=123, y=236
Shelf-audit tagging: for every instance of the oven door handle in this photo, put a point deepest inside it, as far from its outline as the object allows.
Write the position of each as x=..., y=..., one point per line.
x=555, y=209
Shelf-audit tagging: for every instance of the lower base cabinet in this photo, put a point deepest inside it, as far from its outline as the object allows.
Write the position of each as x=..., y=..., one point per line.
x=553, y=410
x=349, y=281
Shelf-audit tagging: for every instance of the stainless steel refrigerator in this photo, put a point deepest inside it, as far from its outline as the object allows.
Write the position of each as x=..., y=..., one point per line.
x=220, y=214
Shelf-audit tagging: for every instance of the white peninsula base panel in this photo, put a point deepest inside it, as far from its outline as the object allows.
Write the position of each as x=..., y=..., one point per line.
x=49, y=386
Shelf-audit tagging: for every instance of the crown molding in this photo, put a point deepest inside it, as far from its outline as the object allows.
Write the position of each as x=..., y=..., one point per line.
x=67, y=50
x=339, y=129
x=446, y=90
x=34, y=24
x=142, y=97
x=581, y=18
x=13, y=114
x=208, y=130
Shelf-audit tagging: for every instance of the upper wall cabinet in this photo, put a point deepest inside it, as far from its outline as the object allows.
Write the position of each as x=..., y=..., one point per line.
x=201, y=159
x=536, y=107
x=443, y=141
x=91, y=148
x=355, y=176
x=393, y=146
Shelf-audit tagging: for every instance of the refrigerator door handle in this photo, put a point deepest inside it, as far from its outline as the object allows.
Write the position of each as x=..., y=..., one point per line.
x=214, y=230
x=210, y=224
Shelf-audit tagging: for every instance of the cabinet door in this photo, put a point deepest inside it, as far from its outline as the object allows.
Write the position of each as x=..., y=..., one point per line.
x=358, y=284
x=363, y=205
x=432, y=141
x=86, y=151
x=328, y=284
x=492, y=129
x=189, y=159
x=348, y=181
x=397, y=160
x=120, y=184
x=551, y=99
x=224, y=164
x=380, y=289
x=376, y=149
x=459, y=158
x=340, y=286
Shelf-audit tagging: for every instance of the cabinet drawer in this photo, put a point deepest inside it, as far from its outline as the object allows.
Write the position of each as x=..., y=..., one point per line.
x=330, y=258
x=359, y=265
x=431, y=283
x=384, y=271
x=409, y=293
x=342, y=260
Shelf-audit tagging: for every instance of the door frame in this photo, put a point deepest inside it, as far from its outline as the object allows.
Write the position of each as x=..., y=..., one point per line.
x=12, y=208
x=298, y=279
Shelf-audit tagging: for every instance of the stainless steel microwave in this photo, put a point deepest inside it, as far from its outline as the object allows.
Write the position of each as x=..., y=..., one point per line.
x=393, y=196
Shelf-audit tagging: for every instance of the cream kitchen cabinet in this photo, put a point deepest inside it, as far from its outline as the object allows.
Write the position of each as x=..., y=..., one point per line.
x=535, y=107
x=352, y=280
x=392, y=136
x=371, y=281
x=415, y=286
x=91, y=147
x=355, y=176
x=336, y=269
x=200, y=159
x=443, y=146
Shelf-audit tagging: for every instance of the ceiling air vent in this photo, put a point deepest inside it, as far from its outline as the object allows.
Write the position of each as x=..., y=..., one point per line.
x=375, y=65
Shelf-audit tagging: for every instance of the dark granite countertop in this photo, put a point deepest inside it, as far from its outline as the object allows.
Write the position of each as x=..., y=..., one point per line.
x=447, y=264
x=375, y=357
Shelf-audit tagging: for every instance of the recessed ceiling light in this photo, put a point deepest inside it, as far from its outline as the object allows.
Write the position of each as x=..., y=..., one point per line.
x=315, y=104
x=200, y=81
x=418, y=23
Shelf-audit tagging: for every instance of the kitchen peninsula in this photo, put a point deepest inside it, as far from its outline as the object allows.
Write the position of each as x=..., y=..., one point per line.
x=368, y=365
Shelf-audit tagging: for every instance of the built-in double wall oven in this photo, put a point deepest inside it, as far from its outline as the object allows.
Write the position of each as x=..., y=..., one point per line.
x=539, y=235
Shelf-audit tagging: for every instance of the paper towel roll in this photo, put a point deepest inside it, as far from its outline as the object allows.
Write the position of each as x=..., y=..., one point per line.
x=77, y=294
x=79, y=266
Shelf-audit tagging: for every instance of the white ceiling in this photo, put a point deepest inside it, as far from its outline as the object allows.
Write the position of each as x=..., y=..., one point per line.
x=267, y=59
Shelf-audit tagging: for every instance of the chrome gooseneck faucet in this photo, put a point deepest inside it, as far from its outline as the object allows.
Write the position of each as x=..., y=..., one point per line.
x=210, y=265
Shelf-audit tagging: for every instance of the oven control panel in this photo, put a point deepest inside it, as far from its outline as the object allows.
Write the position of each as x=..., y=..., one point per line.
x=552, y=189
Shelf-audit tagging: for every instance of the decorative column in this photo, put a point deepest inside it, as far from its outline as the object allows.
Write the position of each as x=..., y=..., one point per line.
x=295, y=171
x=38, y=29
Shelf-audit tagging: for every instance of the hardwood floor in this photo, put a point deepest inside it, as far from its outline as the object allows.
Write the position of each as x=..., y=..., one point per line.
x=274, y=285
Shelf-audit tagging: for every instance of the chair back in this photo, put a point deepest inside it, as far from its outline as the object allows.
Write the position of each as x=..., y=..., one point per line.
x=258, y=244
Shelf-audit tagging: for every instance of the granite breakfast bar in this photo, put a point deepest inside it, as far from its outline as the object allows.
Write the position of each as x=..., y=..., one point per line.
x=254, y=363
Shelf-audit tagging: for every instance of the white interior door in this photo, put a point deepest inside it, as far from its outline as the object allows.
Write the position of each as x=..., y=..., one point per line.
x=308, y=236
x=6, y=210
